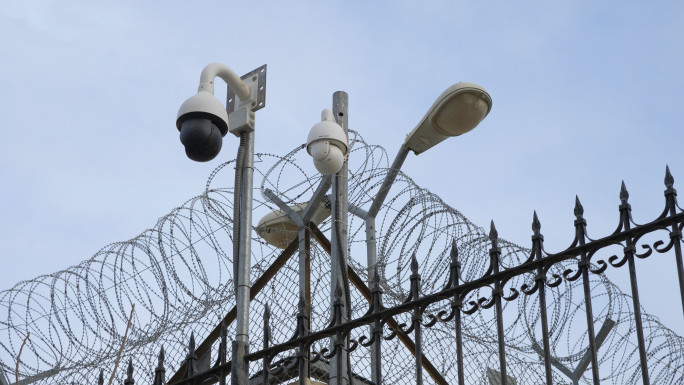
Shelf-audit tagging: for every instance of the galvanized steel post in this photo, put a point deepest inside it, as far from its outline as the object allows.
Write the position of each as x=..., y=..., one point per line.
x=339, y=366
x=240, y=347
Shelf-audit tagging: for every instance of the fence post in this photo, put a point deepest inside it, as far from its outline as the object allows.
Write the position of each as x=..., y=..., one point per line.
x=495, y=254
x=540, y=279
x=675, y=233
x=580, y=235
x=625, y=219
x=456, y=305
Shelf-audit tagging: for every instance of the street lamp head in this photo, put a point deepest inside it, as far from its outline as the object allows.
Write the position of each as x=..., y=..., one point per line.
x=277, y=229
x=203, y=122
x=456, y=111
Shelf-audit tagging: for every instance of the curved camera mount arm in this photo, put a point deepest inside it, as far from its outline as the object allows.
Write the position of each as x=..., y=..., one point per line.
x=211, y=71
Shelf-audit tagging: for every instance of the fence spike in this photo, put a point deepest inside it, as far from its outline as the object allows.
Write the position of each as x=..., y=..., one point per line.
x=669, y=180
x=414, y=263
x=100, y=379
x=454, y=266
x=160, y=359
x=493, y=234
x=579, y=210
x=190, y=360
x=129, y=373
x=159, y=373
x=129, y=370
x=536, y=225
x=191, y=345
x=454, y=251
x=624, y=195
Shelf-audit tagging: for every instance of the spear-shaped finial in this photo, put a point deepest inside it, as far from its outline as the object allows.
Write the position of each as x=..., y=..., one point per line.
x=414, y=263
x=493, y=234
x=160, y=358
x=191, y=345
x=536, y=225
x=579, y=210
x=191, y=358
x=100, y=379
x=455, y=266
x=159, y=373
x=669, y=180
x=454, y=252
x=129, y=373
x=624, y=195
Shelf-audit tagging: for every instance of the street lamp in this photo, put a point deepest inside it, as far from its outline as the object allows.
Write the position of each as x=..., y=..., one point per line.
x=456, y=111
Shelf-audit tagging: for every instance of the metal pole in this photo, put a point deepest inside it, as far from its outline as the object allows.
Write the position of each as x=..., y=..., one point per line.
x=389, y=180
x=240, y=347
x=339, y=366
x=305, y=296
x=371, y=244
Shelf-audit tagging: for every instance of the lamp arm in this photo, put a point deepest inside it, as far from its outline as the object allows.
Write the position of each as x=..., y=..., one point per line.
x=389, y=180
x=212, y=70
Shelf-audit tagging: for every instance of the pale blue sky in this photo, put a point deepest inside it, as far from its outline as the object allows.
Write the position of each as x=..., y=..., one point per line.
x=585, y=94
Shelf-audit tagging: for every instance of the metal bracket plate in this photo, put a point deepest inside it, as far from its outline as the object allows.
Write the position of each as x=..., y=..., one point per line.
x=260, y=74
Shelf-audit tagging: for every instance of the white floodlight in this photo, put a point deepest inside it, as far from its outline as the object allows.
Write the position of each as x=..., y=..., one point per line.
x=456, y=111
x=277, y=229
x=327, y=144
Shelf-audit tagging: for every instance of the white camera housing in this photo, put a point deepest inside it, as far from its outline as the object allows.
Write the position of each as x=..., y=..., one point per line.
x=327, y=144
x=203, y=105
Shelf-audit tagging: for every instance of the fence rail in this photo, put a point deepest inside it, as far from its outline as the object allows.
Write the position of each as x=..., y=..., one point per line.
x=381, y=325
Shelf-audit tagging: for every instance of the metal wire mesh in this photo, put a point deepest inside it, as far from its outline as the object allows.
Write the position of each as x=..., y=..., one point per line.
x=179, y=277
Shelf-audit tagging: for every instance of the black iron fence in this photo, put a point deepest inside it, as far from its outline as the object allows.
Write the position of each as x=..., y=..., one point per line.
x=316, y=353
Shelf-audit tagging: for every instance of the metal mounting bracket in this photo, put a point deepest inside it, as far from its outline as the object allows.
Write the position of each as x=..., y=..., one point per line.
x=259, y=76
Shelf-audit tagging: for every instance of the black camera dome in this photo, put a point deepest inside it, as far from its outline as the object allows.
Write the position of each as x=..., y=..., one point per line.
x=202, y=139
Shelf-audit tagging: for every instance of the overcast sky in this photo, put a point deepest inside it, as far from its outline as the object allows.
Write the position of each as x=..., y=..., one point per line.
x=585, y=94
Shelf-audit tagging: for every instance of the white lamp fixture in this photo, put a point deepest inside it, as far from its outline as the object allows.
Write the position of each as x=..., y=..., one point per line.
x=456, y=111
x=327, y=144
x=277, y=229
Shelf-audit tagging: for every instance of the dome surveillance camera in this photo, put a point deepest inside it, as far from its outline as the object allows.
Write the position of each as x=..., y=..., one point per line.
x=327, y=144
x=202, y=122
